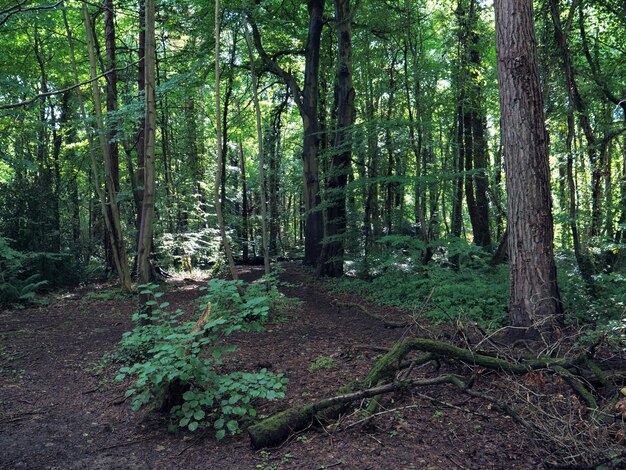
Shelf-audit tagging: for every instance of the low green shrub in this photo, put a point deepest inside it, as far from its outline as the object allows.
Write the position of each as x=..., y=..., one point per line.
x=476, y=290
x=175, y=363
x=16, y=282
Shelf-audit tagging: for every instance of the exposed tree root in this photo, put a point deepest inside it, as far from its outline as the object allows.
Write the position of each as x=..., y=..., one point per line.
x=383, y=378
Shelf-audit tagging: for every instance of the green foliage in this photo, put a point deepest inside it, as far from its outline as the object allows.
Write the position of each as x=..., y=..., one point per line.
x=15, y=281
x=167, y=356
x=323, y=363
x=476, y=290
x=106, y=295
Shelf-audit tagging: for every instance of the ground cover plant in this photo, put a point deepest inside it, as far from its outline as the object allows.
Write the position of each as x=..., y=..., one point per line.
x=175, y=362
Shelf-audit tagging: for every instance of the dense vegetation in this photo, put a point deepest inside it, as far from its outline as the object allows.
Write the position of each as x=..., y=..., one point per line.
x=368, y=139
x=423, y=179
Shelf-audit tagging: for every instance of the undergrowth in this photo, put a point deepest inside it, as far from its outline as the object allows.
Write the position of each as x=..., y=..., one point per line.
x=476, y=290
x=17, y=282
x=176, y=364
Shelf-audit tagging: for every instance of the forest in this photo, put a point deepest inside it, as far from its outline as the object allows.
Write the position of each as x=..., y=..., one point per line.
x=313, y=234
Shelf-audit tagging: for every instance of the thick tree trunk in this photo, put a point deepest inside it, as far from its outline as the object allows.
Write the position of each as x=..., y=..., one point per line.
x=534, y=299
x=331, y=259
x=314, y=228
x=307, y=100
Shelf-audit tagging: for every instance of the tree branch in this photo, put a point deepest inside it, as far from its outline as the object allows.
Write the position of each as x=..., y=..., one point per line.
x=273, y=65
x=64, y=90
x=9, y=12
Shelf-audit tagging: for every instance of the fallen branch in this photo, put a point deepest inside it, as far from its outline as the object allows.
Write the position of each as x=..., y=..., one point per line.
x=279, y=427
x=382, y=380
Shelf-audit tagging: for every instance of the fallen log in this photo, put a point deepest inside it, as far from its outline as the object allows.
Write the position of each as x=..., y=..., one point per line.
x=381, y=380
x=279, y=427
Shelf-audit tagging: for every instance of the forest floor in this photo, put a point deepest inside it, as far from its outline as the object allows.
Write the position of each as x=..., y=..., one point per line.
x=60, y=408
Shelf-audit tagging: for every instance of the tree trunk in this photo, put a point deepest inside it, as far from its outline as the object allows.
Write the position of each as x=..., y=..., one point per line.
x=534, y=299
x=144, y=247
x=261, y=156
x=331, y=259
x=307, y=100
x=108, y=199
x=220, y=156
x=141, y=127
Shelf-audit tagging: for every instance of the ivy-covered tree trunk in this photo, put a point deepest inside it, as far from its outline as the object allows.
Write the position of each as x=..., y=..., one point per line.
x=534, y=298
x=331, y=259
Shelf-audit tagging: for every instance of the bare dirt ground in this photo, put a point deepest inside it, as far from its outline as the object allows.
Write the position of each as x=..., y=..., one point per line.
x=60, y=410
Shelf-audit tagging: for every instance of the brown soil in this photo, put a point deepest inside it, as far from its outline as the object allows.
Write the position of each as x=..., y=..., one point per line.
x=58, y=410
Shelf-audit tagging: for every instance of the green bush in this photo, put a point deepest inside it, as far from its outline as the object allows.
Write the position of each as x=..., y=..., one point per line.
x=175, y=363
x=16, y=282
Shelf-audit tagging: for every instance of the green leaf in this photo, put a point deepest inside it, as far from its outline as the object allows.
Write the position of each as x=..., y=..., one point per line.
x=193, y=426
x=232, y=426
x=219, y=435
x=219, y=424
x=199, y=414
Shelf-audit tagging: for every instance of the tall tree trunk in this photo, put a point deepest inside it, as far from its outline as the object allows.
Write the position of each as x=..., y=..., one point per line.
x=307, y=100
x=111, y=107
x=113, y=225
x=220, y=156
x=261, y=155
x=575, y=100
x=331, y=259
x=474, y=147
x=535, y=300
x=144, y=247
x=141, y=126
x=244, y=204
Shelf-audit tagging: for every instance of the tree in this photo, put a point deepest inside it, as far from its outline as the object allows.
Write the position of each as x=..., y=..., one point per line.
x=144, y=246
x=111, y=216
x=535, y=301
x=307, y=100
x=331, y=259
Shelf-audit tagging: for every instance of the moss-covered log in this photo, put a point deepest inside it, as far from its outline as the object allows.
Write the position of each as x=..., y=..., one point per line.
x=277, y=428
x=380, y=380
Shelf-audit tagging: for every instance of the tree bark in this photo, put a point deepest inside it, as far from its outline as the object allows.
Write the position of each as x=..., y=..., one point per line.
x=260, y=155
x=220, y=156
x=144, y=247
x=534, y=299
x=331, y=258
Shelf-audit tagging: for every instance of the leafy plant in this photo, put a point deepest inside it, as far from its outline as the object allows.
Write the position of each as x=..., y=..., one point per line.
x=15, y=281
x=177, y=363
x=323, y=363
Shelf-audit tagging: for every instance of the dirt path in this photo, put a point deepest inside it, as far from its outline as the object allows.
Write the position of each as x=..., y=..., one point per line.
x=58, y=412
